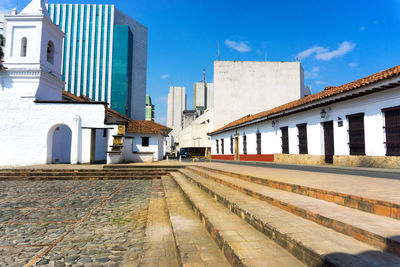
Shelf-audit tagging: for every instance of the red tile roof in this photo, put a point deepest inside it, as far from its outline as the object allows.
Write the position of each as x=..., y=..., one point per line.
x=329, y=91
x=112, y=115
x=147, y=127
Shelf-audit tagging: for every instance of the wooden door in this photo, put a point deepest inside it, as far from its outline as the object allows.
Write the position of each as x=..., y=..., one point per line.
x=329, y=141
x=236, y=148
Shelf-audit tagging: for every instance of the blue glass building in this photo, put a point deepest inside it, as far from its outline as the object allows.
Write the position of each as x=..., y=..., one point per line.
x=104, y=55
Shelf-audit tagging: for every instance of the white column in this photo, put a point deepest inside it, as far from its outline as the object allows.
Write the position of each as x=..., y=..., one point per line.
x=64, y=7
x=76, y=140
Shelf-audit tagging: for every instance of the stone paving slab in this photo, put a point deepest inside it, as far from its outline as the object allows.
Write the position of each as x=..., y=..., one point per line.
x=159, y=245
x=379, y=231
x=195, y=246
x=107, y=230
x=241, y=243
x=308, y=241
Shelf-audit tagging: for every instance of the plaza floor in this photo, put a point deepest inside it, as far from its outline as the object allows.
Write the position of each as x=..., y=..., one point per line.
x=73, y=223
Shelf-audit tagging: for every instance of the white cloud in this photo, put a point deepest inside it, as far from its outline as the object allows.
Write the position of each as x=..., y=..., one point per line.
x=312, y=74
x=353, y=64
x=241, y=46
x=362, y=28
x=315, y=49
x=323, y=53
x=320, y=82
x=343, y=49
x=164, y=76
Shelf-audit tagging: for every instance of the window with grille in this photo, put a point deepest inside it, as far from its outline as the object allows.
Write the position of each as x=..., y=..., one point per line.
x=356, y=134
x=258, y=143
x=244, y=144
x=392, y=130
x=222, y=146
x=217, y=146
x=303, y=148
x=231, y=145
x=285, y=140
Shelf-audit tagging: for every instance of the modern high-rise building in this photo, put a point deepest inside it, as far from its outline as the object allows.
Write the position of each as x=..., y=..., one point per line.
x=149, y=109
x=176, y=105
x=203, y=95
x=104, y=55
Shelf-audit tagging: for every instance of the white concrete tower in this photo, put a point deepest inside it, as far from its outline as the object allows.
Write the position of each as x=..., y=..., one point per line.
x=33, y=53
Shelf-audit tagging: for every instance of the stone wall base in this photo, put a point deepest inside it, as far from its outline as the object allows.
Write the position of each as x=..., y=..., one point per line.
x=368, y=161
x=299, y=159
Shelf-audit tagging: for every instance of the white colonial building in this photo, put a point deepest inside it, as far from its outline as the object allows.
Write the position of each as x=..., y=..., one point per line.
x=40, y=123
x=356, y=124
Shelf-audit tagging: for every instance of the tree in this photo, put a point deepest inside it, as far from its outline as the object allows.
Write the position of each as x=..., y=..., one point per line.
x=2, y=42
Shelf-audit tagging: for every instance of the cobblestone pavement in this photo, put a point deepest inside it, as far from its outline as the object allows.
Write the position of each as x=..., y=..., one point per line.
x=72, y=223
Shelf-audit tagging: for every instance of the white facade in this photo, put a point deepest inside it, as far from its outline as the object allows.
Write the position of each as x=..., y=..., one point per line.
x=34, y=119
x=370, y=105
x=248, y=87
x=176, y=105
x=135, y=152
x=195, y=135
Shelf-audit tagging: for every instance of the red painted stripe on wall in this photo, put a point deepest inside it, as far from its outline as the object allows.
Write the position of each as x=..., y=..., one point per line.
x=263, y=157
x=223, y=157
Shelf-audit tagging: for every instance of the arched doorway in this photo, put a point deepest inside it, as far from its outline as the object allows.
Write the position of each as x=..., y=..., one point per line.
x=59, y=144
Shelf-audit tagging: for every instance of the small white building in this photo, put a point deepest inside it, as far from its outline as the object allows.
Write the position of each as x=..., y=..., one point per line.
x=144, y=141
x=356, y=124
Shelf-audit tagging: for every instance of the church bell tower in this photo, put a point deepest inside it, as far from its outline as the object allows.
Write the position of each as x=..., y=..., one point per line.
x=33, y=53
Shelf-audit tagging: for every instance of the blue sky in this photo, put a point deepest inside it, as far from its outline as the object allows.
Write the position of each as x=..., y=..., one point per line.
x=338, y=41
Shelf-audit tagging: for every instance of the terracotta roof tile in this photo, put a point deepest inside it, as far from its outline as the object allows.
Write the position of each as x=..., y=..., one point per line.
x=329, y=91
x=147, y=127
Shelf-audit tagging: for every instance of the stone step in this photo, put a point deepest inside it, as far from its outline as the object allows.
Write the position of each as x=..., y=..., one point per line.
x=57, y=172
x=312, y=243
x=242, y=244
x=159, y=245
x=195, y=246
x=378, y=207
x=93, y=177
x=381, y=232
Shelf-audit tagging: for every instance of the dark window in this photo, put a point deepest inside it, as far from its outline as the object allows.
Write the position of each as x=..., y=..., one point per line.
x=24, y=44
x=222, y=146
x=104, y=132
x=392, y=129
x=302, y=128
x=244, y=144
x=145, y=141
x=356, y=134
x=285, y=140
x=231, y=145
x=217, y=146
x=50, y=52
x=259, y=143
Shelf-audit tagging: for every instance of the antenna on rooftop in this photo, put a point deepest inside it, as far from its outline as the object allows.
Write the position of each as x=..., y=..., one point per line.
x=204, y=75
x=218, y=51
